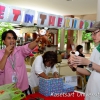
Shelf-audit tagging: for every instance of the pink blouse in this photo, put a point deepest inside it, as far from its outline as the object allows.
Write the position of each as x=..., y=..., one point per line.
x=19, y=54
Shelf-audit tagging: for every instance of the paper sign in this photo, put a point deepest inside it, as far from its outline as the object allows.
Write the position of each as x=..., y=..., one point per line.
x=71, y=80
x=4, y=12
x=15, y=15
x=29, y=17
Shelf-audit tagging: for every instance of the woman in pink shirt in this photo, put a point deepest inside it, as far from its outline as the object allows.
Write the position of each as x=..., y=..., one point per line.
x=12, y=65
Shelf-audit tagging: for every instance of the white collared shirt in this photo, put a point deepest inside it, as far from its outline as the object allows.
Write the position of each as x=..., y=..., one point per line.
x=37, y=68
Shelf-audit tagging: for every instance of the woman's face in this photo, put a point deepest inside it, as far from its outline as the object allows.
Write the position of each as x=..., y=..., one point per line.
x=96, y=36
x=81, y=50
x=49, y=64
x=9, y=40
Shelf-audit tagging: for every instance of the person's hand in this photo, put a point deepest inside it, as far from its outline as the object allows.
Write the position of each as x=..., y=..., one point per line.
x=42, y=39
x=73, y=67
x=55, y=75
x=9, y=50
x=43, y=75
x=77, y=60
x=71, y=60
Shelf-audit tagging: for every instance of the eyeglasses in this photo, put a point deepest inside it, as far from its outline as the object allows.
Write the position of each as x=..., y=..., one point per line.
x=94, y=33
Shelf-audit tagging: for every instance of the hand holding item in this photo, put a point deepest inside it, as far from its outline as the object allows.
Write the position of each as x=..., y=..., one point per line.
x=43, y=37
x=42, y=41
x=80, y=60
x=71, y=64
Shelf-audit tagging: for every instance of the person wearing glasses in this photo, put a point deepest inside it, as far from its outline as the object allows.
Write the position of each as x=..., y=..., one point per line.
x=42, y=65
x=93, y=86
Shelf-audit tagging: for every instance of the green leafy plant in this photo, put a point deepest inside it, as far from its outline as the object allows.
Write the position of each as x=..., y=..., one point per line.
x=66, y=35
x=4, y=26
x=86, y=36
x=65, y=39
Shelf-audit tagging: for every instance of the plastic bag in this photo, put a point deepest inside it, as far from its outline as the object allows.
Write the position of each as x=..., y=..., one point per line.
x=10, y=92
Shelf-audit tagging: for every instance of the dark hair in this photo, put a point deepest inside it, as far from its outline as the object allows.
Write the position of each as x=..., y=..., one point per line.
x=79, y=47
x=4, y=34
x=50, y=56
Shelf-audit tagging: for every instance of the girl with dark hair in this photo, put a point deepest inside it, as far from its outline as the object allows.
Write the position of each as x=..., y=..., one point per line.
x=41, y=66
x=79, y=48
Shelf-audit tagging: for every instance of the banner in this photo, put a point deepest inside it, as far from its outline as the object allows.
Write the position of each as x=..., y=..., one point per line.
x=50, y=20
x=26, y=17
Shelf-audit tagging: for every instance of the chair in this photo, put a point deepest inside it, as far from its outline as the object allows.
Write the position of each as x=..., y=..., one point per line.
x=83, y=80
x=59, y=60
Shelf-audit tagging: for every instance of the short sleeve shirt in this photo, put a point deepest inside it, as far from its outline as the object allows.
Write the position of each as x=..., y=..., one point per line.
x=37, y=68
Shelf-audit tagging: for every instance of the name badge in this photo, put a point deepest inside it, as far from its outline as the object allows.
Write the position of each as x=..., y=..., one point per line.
x=14, y=78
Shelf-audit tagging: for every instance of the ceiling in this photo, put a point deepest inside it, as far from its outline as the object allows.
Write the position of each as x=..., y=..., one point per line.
x=59, y=7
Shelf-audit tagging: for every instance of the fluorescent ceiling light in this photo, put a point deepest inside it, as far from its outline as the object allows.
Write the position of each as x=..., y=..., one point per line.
x=69, y=0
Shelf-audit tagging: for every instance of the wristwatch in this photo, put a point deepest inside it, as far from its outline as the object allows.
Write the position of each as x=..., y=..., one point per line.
x=90, y=66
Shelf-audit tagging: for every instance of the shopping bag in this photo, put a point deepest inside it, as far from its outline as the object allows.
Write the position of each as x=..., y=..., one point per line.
x=10, y=92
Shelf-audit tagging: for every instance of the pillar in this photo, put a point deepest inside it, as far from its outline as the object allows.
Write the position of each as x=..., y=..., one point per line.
x=79, y=37
x=70, y=41
x=62, y=35
x=98, y=10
